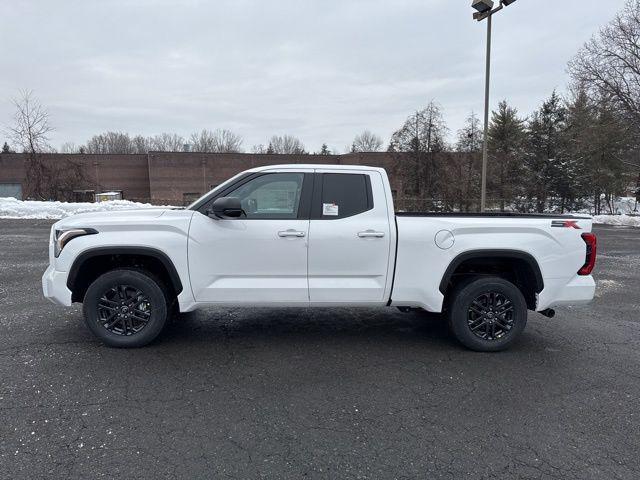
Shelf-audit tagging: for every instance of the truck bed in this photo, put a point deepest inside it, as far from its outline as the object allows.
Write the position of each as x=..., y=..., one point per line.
x=492, y=215
x=429, y=242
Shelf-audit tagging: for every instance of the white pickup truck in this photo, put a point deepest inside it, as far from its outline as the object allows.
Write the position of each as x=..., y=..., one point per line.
x=317, y=235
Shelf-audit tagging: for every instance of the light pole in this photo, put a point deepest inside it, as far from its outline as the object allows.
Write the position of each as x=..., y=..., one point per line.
x=485, y=10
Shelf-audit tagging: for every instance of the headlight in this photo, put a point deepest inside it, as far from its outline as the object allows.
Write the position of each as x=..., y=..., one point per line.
x=65, y=236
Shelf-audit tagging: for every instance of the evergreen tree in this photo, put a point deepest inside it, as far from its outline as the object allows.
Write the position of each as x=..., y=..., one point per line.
x=545, y=150
x=579, y=180
x=506, y=141
x=612, y=140
x=466, y=184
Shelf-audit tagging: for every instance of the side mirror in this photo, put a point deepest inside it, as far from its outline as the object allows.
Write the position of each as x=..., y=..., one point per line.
x=226, y=207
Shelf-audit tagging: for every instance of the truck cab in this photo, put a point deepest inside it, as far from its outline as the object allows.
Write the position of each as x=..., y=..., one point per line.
x=304, y=236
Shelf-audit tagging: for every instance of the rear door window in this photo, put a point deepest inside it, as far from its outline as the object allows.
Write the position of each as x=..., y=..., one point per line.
x=342, y=195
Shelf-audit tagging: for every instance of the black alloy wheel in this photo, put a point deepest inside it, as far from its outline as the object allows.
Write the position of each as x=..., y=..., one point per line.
x=486, y=314
x=490, y=316
x=124, y=310
x=126, y=307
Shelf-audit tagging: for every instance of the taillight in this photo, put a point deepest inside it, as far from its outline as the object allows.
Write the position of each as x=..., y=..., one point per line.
x=590, y=260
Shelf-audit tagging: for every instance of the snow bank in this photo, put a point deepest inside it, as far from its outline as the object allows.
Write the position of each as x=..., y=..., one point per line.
x=12, y=208
x=627, y=215
x=625, y=205
x=619, y=220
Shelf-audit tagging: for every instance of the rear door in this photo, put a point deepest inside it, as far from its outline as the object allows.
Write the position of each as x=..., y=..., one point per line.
x=349, y=238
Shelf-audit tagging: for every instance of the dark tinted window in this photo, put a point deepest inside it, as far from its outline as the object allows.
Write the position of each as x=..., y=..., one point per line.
x=344, y=195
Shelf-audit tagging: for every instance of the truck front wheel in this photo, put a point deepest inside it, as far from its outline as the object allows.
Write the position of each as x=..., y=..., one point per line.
x=126, y=308
x=487, y=314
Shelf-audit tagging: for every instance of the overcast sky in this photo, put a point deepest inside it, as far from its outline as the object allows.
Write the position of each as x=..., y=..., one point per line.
x=323, y=70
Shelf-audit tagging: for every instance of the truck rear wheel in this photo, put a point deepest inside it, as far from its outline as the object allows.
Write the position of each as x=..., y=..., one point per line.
x=126, y=308
x=487, y=314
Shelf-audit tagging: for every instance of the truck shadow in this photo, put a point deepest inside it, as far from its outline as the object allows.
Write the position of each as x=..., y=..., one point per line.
x=240, y=324
x=378, y=328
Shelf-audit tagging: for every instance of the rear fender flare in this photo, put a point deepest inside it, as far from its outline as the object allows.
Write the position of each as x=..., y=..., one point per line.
x=509, y=254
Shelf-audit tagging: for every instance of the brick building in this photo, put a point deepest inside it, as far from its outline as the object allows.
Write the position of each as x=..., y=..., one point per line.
x=129, y=173
x=177, y=178
x=174, y=178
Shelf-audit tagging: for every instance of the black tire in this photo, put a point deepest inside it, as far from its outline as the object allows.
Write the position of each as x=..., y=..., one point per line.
x=126, y=308
x=487, y=314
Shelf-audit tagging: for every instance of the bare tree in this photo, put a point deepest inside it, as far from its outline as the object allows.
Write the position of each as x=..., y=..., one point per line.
x=123, y=143
x=216, y=141
x=30, y=131
x=203, y=141
x=424, y=131
x=422, y=136
x=366, y=142
x=286, y=145
x=31, y=128
x=258, y=149
x=70, y=147
x=609, y=64
x=139, y=144
x=110, y=142
x=166, y=142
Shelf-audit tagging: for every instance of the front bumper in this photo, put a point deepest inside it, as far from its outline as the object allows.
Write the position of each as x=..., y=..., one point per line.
x=54, y=287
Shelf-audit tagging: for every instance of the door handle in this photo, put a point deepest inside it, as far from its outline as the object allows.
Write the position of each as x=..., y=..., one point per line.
x=291, y=233
x=370, y=234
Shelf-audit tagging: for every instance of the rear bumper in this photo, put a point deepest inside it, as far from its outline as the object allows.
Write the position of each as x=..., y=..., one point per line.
x=54, y=287
x=579, y=290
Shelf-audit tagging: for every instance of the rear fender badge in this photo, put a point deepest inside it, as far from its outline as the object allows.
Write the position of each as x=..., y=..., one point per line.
x=566, y=224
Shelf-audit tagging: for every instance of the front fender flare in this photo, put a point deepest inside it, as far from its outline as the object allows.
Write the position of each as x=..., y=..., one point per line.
x=142, y=251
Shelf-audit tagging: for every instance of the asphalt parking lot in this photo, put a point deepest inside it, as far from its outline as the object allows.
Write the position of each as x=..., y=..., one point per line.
x=286, y=393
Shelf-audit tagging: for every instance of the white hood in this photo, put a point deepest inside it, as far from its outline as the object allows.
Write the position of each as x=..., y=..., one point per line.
x=113, y=218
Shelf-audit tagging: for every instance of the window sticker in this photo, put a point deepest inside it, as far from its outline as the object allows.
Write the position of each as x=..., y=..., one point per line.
x=330, y=209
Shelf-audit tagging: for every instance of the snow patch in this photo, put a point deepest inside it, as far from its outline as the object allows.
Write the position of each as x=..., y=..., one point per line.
x=12, y=208
x=606, y=286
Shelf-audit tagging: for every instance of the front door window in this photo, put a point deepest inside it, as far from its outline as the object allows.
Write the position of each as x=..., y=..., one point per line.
x=274, y=196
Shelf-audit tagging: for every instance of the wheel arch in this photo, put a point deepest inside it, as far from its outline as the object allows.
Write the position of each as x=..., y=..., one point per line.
x=521, y=265
x=79, y=277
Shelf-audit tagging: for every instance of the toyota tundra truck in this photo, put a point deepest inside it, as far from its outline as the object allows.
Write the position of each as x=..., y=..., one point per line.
x=317, y=236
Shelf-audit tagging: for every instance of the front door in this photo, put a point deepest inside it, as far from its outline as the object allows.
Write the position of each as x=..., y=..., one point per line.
x=260, y=258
